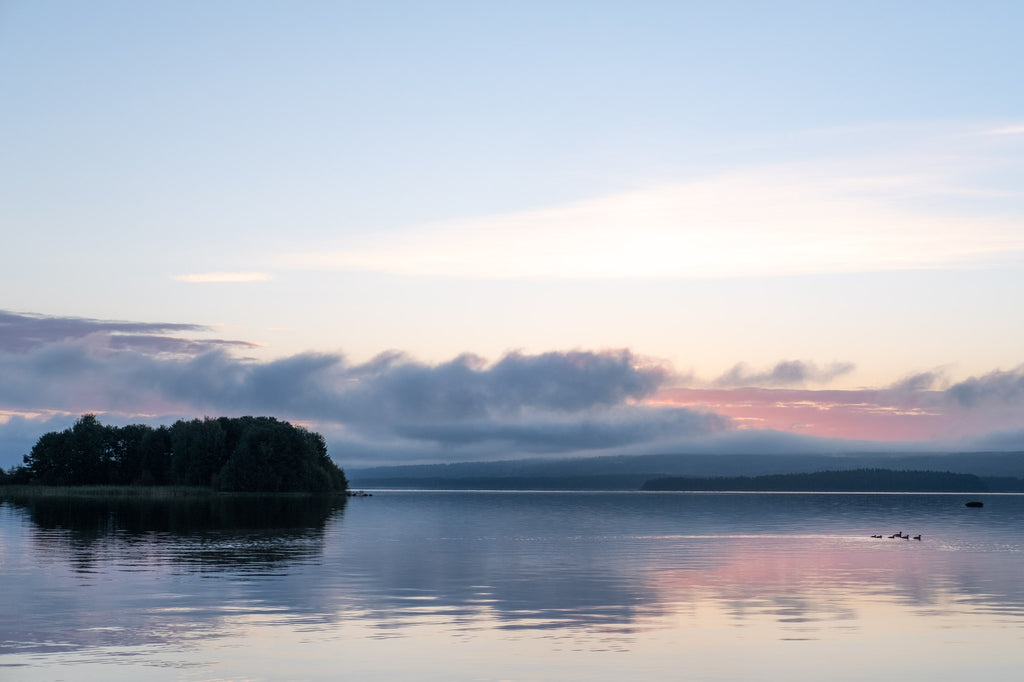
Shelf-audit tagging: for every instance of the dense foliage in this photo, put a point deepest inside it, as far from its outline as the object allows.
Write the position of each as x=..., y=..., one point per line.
x=258, y=454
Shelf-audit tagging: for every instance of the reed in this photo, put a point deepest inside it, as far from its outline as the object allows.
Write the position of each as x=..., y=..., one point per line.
x=162, y=492
x=139, y=492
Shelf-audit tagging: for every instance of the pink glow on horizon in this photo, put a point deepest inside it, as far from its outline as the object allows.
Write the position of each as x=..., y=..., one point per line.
x=854, y=414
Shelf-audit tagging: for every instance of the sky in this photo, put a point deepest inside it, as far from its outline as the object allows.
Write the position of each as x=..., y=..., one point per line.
x=456, y=231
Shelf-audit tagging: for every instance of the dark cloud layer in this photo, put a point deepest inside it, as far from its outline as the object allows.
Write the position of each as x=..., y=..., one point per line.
x=395, y=408
x=615, y=428
x=556, y=402
x=384, y=391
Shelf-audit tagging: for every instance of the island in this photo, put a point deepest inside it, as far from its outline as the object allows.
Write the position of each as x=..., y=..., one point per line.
x=229, y=454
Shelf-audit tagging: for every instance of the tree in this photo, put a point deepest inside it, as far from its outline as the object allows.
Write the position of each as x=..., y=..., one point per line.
x=260, y=454
x=155, y=455
x=199, y=451
x=49, y=462
x=90, y=452
x=126, y=452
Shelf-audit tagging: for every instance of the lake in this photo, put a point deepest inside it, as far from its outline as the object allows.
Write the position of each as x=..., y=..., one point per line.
x=413, y=585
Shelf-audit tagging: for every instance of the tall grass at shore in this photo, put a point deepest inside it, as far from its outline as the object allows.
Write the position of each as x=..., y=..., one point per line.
x=161, y=492
x=134, y=492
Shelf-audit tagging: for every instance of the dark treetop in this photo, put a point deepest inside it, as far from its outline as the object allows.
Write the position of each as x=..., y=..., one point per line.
x=254, y=454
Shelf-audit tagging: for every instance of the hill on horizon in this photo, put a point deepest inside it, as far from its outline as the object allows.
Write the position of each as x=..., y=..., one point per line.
x=629, y=472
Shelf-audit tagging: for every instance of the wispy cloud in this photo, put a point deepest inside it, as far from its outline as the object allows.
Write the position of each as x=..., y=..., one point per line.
x=920, y=381
x=773, y=220
x=784, y=373
x=21, y=332
x=223, y=277
x=1006, y=130
x=923, y=407
x=1004, y=387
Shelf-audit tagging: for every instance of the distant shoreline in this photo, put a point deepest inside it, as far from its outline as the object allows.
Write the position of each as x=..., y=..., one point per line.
x=853, y=480
x=874, y=480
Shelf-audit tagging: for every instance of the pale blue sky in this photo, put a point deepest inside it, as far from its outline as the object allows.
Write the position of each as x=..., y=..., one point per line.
x=705, y=183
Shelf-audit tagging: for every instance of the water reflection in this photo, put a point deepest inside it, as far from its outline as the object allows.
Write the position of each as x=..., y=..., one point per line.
x=99, y=517
x=213, y=533
x=101, y=572
x=579, y=572
x=627, y=563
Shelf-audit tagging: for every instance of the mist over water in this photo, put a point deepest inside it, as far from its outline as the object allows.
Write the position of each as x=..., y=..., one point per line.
x=513, y=585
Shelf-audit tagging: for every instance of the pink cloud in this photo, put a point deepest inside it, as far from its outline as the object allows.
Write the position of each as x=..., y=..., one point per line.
x=883, y=415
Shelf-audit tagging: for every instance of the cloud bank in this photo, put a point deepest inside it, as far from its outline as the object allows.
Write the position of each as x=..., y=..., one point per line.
x=394, y=408
x=552, y=403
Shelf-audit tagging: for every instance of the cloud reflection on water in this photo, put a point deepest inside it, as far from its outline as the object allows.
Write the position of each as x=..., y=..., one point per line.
x=601, y=569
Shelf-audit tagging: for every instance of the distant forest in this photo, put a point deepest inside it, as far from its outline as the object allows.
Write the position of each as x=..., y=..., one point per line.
x=1001, y=471
x=857, y=480
x=252, y=454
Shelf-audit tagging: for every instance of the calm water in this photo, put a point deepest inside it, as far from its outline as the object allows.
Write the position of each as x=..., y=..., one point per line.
x=515, y=586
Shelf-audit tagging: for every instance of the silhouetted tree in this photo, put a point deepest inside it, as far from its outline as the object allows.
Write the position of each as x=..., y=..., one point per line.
x=49, y=462
x=198, y=451
x=155, y=455
x=241, y=454
x=92, y=458
x=126, y=451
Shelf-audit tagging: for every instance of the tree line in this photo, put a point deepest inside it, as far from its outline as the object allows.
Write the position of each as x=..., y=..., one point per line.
x=254, y=454
x=860, y=480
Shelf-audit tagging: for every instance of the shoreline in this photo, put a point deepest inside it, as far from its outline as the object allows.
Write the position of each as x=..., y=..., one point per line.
x=142, y=492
